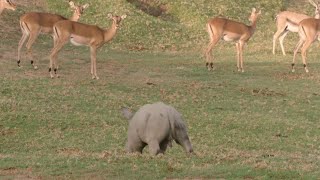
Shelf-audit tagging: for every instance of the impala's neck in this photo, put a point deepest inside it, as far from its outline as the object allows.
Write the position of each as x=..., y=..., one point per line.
x=5, y=5
x=253, y=26
x=110, y=33
x=75, y=16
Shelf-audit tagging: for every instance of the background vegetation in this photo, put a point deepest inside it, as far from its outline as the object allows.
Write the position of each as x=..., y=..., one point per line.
x=261, y=124
x=180, y=25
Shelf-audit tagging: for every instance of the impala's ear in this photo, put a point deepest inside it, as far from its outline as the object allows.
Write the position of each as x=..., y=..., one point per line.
x=72, y=5
x=123, y=16
x=85, y=6
x=110, y=15
x=254, y=10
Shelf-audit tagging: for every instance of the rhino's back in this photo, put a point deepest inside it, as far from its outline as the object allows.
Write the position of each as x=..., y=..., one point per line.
x=152, y=121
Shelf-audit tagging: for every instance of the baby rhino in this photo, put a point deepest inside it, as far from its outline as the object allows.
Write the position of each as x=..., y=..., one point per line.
x=156, y=125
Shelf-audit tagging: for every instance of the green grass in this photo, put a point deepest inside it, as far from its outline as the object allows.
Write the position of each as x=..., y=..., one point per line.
x=257, y=124
x=261, y=124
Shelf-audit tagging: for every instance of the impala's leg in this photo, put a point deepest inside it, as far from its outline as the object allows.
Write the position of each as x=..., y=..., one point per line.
x=281, y=39
x=93, y=52
x=241, y=45
x=21, y=43
x=209, y=57
x=296, y=49
x=53, y=57
x=304, y=48
x=238, y=55
x=275, y=37
x=281, y=28
x=33, y=36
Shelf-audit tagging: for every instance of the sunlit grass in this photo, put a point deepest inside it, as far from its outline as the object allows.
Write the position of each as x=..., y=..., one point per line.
x=261, y=124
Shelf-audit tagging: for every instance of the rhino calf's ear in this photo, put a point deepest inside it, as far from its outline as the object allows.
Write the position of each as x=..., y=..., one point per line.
x=127, y=113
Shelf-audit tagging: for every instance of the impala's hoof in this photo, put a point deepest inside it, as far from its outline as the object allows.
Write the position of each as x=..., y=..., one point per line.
x=95, y=77
x=35, y=67
x=293, y=70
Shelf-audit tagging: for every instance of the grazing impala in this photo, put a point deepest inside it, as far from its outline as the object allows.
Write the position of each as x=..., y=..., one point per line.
x=7, y=4
x=228, y=30
x=82, y=34
x=289, y=22
x=309, y=30
x=34, y=23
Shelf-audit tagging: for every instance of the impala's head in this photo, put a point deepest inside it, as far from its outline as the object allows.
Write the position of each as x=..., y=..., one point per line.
x=116, y=19
x=254, y=15
x=8, y=4
x=77, y=10
x=317, y=6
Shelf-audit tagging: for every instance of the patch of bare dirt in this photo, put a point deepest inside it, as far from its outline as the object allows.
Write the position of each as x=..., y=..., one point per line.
x=262, y=92
x=261, y=159
x=16, y=173
x=151, y=7
x=4, y=131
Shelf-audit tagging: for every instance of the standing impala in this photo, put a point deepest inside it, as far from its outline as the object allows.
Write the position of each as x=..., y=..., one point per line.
x=82, y=34
x=289, y=22
x=309, y=30
x=34, y=23
x=7, y=4
x=231, y=31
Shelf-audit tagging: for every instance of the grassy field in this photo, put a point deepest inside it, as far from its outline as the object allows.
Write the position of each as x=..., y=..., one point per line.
x=261, y=124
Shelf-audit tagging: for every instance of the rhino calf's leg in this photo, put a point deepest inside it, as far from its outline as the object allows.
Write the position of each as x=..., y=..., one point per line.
x=164, y=144
x=154, y=147
x=135, y=145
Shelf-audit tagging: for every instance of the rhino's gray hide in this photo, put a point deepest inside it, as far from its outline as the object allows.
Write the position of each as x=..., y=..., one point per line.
x=156, y=125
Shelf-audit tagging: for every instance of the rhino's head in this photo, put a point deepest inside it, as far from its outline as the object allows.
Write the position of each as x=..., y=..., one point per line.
x=181, y=137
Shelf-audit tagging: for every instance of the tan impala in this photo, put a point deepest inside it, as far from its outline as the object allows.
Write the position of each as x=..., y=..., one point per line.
x=309, y=30
x=288, y=21
x=7, y=4
x=82, y=34
x=231, y=31
x=34, y=23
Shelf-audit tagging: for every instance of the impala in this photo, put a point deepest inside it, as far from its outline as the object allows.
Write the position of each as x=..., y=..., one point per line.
x=82, y=34
x=34, y=23
x=288, y=22
x=231, y=31
x=309, y=30
x=7, y=4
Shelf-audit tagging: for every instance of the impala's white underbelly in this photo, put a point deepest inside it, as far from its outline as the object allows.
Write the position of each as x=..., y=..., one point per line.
x=230, y=37
x=45, y=30
x=79, y=41
x=292, y=28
